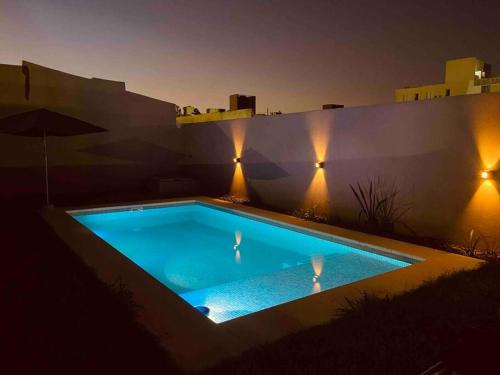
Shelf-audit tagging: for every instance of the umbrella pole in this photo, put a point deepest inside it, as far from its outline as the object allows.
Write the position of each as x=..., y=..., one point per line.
x=46, y=168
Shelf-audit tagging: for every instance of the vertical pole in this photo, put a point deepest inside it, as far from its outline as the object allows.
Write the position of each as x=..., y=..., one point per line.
x=46, y=168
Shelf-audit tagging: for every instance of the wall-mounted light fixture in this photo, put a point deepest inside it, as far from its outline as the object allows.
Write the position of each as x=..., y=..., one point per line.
x=237, y=160
x=320, y=164
x=486, y=174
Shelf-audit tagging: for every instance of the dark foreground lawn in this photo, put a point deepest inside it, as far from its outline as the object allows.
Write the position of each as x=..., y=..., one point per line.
x=454, y=319
x=57, y=317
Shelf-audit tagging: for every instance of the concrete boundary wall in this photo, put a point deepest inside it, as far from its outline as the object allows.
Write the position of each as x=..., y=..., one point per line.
x=142, y=140
x=433, y=151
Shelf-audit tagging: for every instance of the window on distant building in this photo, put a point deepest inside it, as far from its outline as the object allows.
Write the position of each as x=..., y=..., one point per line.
x=448, y=92
x=416, y=96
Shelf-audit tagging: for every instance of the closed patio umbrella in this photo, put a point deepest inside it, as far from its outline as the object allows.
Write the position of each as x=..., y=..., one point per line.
x=43, y=123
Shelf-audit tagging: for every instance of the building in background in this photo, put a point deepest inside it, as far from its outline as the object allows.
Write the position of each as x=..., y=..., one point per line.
x=462, y=77
x=190, y=111
x=240, y=106
x=237, y=102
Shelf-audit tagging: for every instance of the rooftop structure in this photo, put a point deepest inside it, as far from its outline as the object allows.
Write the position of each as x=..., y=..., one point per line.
x=462, y=77
x=240, y=106
x=237, y=101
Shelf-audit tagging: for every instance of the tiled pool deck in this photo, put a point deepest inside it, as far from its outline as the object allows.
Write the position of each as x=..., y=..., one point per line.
x=196, y=342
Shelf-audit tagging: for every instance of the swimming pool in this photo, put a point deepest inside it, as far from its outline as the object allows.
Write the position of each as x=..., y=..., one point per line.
x=230, y=262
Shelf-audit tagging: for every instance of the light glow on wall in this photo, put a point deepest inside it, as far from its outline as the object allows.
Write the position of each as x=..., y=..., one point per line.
x=238, y=134
x=320, y=138
x=485, y=128
x=238, y=184
x=483, y=209
x=317, y=192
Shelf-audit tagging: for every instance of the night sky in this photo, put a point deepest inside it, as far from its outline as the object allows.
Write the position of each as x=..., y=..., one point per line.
x=293, y=55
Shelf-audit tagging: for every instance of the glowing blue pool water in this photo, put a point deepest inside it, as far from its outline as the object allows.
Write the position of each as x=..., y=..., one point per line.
x=234, y=265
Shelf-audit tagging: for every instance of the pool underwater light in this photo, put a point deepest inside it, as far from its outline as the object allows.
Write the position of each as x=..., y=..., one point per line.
x=203, y=309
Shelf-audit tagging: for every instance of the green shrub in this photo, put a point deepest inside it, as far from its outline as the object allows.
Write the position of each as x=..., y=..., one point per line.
x=380, y=209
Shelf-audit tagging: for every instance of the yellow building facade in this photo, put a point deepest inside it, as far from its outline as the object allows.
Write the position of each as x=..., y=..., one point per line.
x=215, y=116
x=462, y=77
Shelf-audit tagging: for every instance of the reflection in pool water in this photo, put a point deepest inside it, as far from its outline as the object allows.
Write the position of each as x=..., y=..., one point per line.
x=237, y=254
x=317, y=265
